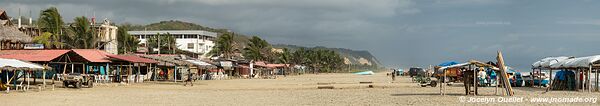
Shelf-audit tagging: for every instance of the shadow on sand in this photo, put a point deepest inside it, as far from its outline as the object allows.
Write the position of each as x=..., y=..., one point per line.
x=427, y=94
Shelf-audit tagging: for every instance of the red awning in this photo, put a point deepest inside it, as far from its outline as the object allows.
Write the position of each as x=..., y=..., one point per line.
x=32, y=55
x=132, y=58
x=93, y=55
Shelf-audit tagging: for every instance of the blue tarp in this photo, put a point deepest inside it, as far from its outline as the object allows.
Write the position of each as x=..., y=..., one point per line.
x=448, y=63
x=562, y=75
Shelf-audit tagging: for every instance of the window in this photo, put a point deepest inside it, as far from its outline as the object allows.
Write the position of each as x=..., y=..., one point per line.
x=190, y=46
x=189, y=36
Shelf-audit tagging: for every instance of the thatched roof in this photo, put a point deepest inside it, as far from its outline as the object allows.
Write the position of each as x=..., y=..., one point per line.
x=11, y=33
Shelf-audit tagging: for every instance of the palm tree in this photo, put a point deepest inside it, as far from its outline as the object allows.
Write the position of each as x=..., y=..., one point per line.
x=257, y=49
x=81, y=35
x=224, y=46
x=51, y=21
x=46, y=40
x=167, y=43
x=126, y=42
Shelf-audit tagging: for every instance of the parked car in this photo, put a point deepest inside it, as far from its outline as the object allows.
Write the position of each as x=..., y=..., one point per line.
x=415, y=71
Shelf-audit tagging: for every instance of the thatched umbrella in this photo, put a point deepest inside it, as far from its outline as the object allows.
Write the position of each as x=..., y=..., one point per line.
x=12, y=34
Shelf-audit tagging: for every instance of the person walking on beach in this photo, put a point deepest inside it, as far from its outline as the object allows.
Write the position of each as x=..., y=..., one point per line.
x=189, y=78
x=393, y=74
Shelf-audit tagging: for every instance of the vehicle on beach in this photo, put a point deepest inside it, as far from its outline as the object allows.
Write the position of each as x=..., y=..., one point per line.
x=419, y=75
x=415, y=71
x=77, y=80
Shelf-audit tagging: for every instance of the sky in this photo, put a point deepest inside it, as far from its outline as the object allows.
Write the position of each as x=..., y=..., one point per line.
x=400, y=33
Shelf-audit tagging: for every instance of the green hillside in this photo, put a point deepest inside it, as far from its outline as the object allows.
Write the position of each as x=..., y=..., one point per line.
x=353, y=56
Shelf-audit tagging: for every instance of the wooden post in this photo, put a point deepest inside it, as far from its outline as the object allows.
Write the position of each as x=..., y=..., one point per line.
x=588, y=82
x=475, y=79
x=596, y=86
x=551, y=78
x=72, y=68
x=137, y=77
x=129, y=73
x=443, y=82
x=577, y=76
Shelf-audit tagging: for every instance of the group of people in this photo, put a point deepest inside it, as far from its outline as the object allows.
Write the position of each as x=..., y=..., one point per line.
x=486, y=76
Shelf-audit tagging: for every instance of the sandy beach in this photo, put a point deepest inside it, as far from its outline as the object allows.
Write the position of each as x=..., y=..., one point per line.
x=290, y=90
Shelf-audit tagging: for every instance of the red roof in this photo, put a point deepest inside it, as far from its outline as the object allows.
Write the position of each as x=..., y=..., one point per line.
x=32, y=55
x=134, y=59
x=93, y=55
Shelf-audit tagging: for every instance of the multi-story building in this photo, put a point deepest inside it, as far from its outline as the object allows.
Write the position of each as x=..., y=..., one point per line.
x=107, y=36
x=196, y=41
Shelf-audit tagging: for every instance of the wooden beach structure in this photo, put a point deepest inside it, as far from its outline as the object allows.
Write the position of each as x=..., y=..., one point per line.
x=133, y=68
x=10, y=36
x=470, y=76
x=582, y=67
x=12, y=70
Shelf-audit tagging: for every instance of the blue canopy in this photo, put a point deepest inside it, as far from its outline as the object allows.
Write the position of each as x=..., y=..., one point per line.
x=448, y=63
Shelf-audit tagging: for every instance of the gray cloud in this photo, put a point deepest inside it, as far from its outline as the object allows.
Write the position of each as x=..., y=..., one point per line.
x=401, y=33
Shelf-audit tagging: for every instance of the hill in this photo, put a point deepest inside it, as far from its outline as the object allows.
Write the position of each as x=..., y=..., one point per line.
x=350, y=56
x=357, y=57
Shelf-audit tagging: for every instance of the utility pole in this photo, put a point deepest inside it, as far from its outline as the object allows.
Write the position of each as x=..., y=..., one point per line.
x=158, y=37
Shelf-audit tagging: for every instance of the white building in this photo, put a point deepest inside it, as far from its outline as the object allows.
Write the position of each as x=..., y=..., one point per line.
x=107, y=35
x=197, y=41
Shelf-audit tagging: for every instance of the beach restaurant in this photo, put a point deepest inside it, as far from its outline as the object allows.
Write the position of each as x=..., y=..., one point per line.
x=105, y=66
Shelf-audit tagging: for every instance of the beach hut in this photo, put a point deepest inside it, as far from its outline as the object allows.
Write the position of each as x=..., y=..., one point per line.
x=451, y=74
x=200, y=67
x=10, y=36
x=171, y=66
x=583, y=67
x=130, y=64
x=470, y=76
x=12, y=69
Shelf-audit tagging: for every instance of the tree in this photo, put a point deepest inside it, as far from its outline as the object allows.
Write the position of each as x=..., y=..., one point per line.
x=126, y=42
x=51, y=21
x=45, y=39
x=258, y=50
x=81, y=35
x=167, y=43
x=224, y=46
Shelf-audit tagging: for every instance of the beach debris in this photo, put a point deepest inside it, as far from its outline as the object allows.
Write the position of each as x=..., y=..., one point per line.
x=369, y=82
x=325, y=87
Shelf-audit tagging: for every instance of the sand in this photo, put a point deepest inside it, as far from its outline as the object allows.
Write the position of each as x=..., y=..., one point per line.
x=286, y=91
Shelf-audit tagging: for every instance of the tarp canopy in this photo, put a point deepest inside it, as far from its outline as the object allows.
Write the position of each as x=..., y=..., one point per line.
x=12, y=64
x=549, y=61
x=472, y=62
x=579, y=62
x=448, y=63
x=201, y=63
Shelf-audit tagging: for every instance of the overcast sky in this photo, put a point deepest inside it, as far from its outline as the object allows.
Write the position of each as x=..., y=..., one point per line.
x=400, y=33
